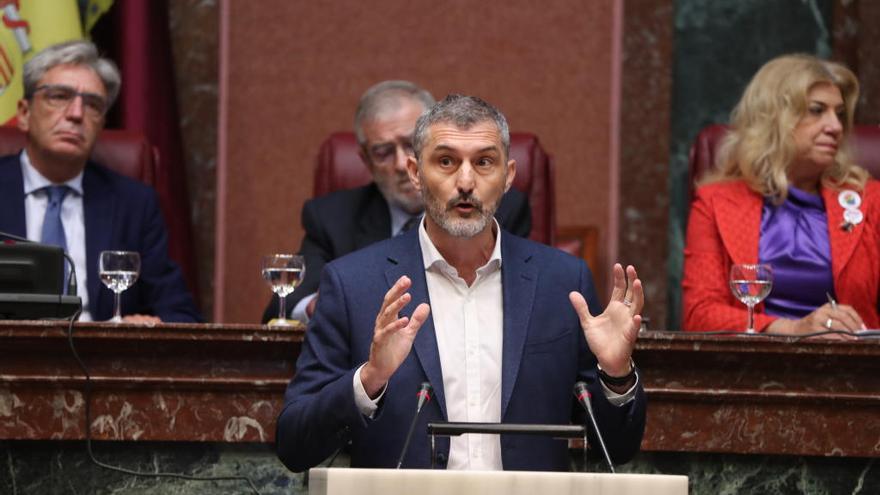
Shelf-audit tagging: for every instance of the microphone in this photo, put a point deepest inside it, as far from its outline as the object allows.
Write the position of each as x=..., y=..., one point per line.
x=424, y=396
x=71, y=283
x=583, y=396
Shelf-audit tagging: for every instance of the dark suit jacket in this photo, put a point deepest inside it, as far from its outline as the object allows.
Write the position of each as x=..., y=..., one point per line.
x=544, y=354
x=120, y=214
x=344, y=221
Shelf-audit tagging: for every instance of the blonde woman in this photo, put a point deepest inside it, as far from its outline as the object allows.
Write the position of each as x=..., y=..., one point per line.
x=786, y=193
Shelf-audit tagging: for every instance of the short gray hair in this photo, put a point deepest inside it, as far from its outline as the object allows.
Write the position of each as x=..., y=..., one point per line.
x=384, y=95
x=464, y=112
x=74, y=53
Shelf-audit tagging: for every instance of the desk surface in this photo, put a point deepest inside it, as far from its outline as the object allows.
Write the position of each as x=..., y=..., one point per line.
x=225, y=383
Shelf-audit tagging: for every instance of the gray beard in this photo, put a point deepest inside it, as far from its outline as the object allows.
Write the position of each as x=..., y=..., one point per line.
x=458, y=227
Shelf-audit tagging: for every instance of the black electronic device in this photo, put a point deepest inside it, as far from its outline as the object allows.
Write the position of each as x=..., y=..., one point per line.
x=448, y=429
x=32, y=282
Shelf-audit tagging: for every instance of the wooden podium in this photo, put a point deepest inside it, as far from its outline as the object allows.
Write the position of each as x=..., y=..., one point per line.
x=345, y=481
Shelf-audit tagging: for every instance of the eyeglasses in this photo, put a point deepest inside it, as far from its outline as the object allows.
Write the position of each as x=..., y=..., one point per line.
x=386, y=153
x=61, y=96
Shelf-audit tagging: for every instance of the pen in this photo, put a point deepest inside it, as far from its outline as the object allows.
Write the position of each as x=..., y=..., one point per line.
x=831, y=301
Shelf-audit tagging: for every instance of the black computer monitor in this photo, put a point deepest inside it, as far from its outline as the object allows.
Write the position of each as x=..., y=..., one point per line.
x=32, y=282
x=31, y=268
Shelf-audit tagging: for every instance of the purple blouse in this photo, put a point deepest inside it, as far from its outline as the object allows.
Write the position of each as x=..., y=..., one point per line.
x=794, y=241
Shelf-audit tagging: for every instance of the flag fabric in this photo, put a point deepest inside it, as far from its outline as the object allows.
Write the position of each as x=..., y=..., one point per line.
x=27, y=27
x=92, y=10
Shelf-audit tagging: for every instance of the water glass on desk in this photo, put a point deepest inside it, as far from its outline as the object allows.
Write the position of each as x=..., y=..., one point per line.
x=283, y=273
x=118, y=270
x=751, y=284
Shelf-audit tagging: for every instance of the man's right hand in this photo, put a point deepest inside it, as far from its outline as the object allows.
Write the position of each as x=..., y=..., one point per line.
x=393, y=337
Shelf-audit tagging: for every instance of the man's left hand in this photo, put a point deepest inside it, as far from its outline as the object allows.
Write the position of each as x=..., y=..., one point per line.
x=612, y=335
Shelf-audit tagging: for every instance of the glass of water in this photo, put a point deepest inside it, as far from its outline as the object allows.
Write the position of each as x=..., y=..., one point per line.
x=283, y=273
x=751, y=284
x=119, y=270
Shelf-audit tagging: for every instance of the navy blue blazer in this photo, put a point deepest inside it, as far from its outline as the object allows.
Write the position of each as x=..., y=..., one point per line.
x=544, y=354
x=120, y=214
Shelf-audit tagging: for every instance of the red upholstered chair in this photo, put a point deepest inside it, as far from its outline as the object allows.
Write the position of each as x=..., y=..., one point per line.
x=865, y=141
x=340, y=167
x=130, y=154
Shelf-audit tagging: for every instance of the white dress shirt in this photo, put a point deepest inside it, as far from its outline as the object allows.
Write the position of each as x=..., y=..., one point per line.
x=468, y=322
x=72, y=218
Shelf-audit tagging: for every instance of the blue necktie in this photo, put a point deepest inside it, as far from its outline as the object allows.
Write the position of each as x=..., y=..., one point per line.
x=412, y=222
x=53, y=230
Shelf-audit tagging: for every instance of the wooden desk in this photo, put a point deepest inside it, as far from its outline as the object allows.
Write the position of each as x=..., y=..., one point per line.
x=211, y=383
x=225, y=383
x=756, y=394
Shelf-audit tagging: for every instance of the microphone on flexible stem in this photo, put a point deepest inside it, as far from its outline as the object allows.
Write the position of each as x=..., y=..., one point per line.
x=424, y=396
x=583, y=396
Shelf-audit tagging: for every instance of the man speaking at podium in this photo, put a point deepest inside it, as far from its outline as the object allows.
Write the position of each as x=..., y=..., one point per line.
x=51, y=192
x=499, y=326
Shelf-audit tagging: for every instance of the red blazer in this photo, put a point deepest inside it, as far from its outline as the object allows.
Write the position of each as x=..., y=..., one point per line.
x=723, y=229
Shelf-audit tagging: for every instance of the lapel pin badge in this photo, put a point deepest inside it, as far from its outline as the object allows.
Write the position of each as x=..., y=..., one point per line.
x=852, y=215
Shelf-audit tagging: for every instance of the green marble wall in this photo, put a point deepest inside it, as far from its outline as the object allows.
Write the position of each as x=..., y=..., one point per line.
x=716, y=474
x=56, y=468
x=50, y=468
x=718, y=46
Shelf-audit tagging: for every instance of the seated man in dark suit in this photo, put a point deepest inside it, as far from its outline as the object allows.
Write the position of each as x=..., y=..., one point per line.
x=344, y=221
x=51, y=192
x=499, y=325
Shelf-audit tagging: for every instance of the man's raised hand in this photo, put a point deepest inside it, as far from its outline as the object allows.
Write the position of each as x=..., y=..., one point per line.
x=612, y=334
x=393, y=337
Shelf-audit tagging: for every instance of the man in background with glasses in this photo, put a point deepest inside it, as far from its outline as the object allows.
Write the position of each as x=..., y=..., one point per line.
x=348, y=220
x=52, y=192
